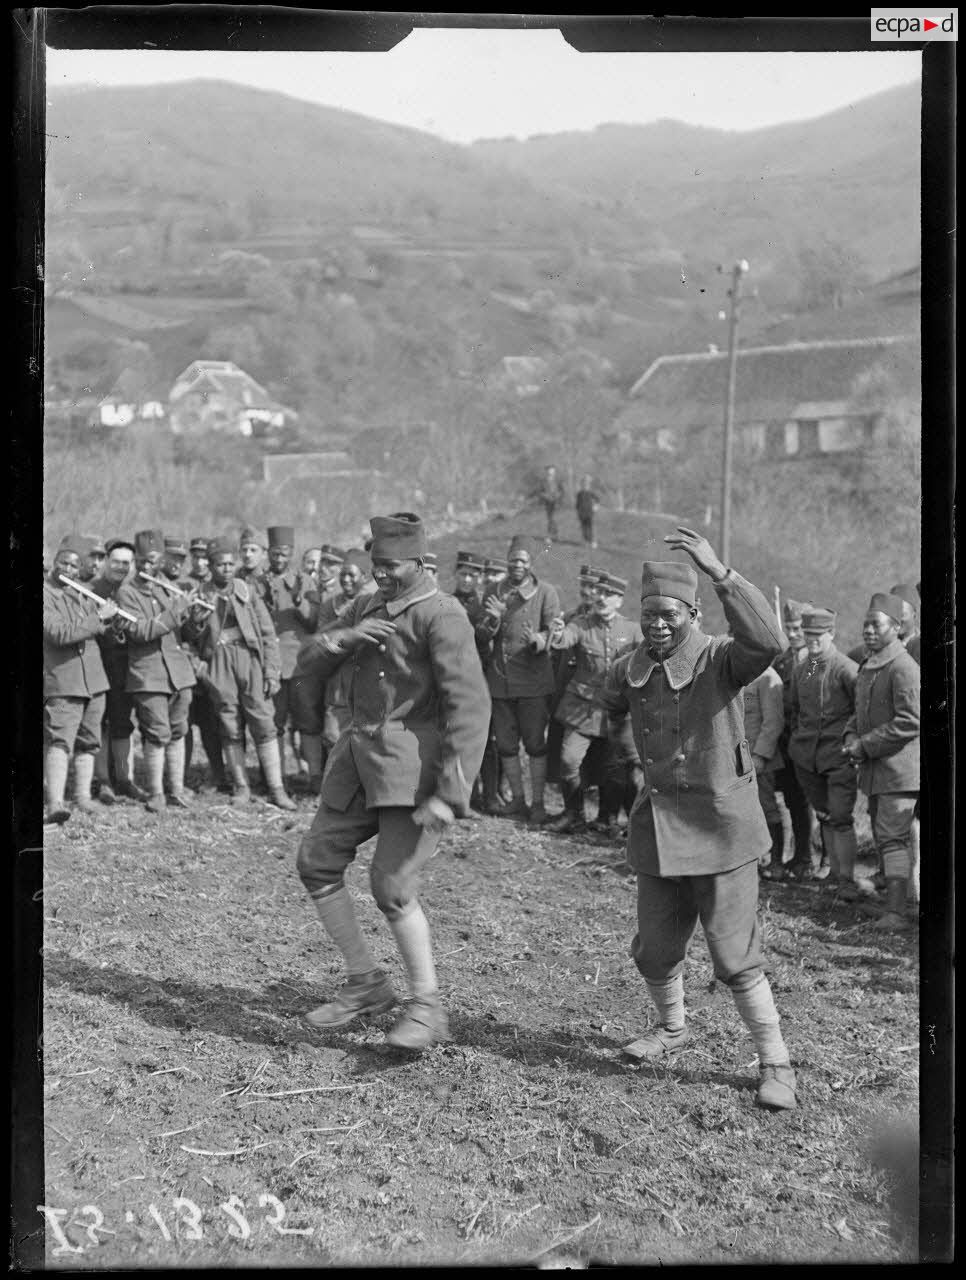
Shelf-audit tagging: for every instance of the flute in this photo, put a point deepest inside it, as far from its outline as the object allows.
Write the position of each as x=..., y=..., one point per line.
x=175, y=591
x=92, y=595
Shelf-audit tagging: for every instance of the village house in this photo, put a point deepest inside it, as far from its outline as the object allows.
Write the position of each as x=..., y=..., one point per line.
x=216, y=395
x=799, y=400
x=132, y=399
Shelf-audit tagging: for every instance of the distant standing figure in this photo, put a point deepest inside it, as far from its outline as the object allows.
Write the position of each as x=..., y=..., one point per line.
x=551, y=494
x=587, y=502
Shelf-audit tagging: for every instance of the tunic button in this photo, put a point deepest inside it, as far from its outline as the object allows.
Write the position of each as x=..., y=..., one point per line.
x=654, y=791
x=381, y=674
x=647, y=730
x=679, y=759
x=648, y=761
x=382, y=648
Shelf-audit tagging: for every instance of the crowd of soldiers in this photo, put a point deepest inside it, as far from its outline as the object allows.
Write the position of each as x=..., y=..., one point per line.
x=669, y=725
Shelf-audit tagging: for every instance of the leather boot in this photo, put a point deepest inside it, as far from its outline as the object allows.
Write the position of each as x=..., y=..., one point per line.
x=775, y=869
x=122, y=758
x=538, y=780
x=517, y=806
x=270, y=760
x=893, y=919
x=572, y=817
x=845, y=846
x=102, y=772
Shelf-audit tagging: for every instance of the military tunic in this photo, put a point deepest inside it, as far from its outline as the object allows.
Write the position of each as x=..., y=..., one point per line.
x=74, y=679
x=160, y=672
x=886, y=721
x=697, y=812
x=596, y=644
x=517, y=669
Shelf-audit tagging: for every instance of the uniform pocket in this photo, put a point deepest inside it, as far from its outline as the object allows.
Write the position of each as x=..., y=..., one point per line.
x=743, y=761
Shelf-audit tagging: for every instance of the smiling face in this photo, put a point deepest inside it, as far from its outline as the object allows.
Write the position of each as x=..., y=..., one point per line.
x=149, y=562
x=666, y=623
x=518, y=567
x=118, y=564
x=69, y=564
x=393, y=577
x=351, y=578
x=818, y=642
x=879, y=630
x=493, y=577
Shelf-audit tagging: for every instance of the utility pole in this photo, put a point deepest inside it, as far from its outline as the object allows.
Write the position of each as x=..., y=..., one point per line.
x=739, y=269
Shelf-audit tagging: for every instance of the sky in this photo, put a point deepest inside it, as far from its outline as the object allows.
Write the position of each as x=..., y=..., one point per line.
x=467, y=84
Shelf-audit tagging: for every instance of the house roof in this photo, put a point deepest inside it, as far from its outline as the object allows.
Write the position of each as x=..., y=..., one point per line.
x=229, y=380
x=132, y=387
x=689, y=390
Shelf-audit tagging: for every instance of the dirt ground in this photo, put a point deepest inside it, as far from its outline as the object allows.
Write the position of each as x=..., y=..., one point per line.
x=193, y=1119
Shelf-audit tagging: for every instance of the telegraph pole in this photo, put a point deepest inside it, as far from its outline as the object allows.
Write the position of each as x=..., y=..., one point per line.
x=739, y=269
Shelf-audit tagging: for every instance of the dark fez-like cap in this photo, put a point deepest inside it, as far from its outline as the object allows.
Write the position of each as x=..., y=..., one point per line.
x=176, y=546
x=671, y=578
x=612, y=582
x=331, y=554
x=199, y=544
x=905, y=592
x=250, y=534
x=356, y=556
x=400, y=536
x=887, y=603
x=818, y=619
x=76, y=543
x=469, y=560
x=148, y=540
x=795, y=610
x=222, y=545
x=113, y=543
x=519, y=542
x=495, y=562
x=281, y=535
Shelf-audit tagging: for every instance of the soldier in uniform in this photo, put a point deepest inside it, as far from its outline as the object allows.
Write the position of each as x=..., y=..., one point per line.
x=74, y=681
x=400, y=771
x=251, y=551
x=697, y=829
x=882, y=740
x=466, y=590
x=96, y=555
x=764, y=724
x=292, y=602
x=311, y=559
x=822, y=701
x=587, y=502
x=114, y=769
x=431, y=564
x=551, y=493
x=909, y=624
x=785, y=777
x=516, y=620
x=198, y=570
x=596, y=640
x=330, y=563
x=236, y=640
x=160, y=674
x=202, y=711
x=173, y=562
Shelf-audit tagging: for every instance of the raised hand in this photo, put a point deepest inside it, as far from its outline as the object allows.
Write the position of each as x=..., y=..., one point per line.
x=375, y=630
x=107, y=610
x=699, y=549
x=434, y=814
x=495, y=607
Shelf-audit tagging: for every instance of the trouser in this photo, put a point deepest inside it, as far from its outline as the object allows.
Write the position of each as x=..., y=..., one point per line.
x=237, y=685
x=766, y=797
x=283, y=706
x=205, y=716
x=831, y=794
x=516, y=719
x=162, y=717
x=587, y=529
x=786, y=781
x=891, y=815
x=402, y=848
x=306, y=695
x=551, y=508
x=669, y=908
x=74, y=724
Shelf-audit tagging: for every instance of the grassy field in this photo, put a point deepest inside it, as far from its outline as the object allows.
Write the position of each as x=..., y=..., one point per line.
x=193, y=1119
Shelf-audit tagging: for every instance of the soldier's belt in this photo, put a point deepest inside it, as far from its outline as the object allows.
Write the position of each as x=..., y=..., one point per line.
x=231, y=635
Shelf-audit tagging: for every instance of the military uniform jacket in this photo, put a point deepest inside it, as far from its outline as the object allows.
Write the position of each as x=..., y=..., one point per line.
x=157, y=661
x=785, y=665
x=765, y=717
x=823, y=698
x=595, y=644
x=113, y=640
x=72, y=658
x=293, y=613
x=249, y=615
x=516, y=669
x=886, y=721
x=420, y=710
x=697, y=812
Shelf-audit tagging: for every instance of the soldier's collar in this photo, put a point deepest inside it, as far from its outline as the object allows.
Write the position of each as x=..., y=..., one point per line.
x=678, y=668
x=420, y=590
x=527, y=589
x=884, y=656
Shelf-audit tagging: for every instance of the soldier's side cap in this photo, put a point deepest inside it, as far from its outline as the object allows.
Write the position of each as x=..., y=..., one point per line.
x=671, y=578
x=332, y=555
x=76, y=543
x=905, y=592
x=469, y=560
x=97, y=544
x=281, y=535
x=612, y=582
x=249, y=535
x=176, y=546
x=356, y=556
x=222, y=546
x=148, y=540
x=399, y=536
x=519, y=542
x=112, y=544
x=495, y=562
x=818, y=619
x=887, y=603
x=795, y=610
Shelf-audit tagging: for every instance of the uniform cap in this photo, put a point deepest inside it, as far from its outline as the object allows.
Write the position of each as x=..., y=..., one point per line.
x=795, y=610
x=399, y=536
x=519, y=542
x=356, y=556
x=96, y=545
x=905, y=592
x=887, y=603
x=148, y=540
x=175, y=546
x=495, y=562
x=198, y=544
x=250, y=534
x=818, y=619
x=469, y=560
x=612, y=582
x=332, y=555
x=223, y=545
x=671, y=578
x=430, y=560
x=281, y=535
x=77, y=543
x=113, y=543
